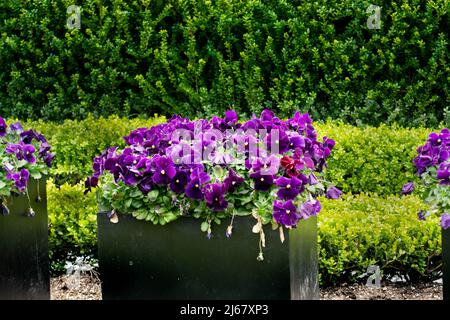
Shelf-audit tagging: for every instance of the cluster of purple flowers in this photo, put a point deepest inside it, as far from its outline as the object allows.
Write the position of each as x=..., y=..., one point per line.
x=180, y=153
x=434, y=153
x=29, y=146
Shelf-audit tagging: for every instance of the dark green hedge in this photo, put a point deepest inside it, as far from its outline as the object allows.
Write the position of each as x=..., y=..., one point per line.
x=199, y=57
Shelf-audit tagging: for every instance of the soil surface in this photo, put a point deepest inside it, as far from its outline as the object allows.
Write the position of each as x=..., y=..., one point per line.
x=88, y=288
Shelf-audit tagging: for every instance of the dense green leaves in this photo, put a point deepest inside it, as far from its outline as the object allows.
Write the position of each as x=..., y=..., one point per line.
x=200, y=57
x=362, y=230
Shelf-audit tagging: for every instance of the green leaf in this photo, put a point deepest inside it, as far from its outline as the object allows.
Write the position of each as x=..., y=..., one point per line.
x=153, y=195
x=204, y=226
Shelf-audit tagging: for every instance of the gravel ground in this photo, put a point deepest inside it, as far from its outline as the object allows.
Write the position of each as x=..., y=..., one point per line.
x=88, y=288
x=68, y=288
x=388, y=291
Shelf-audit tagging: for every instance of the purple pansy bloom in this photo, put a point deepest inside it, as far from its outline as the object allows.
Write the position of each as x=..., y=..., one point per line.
x=3, y=127
x=164, y=169
x=214, y=197
x=289, y=188
x=285, y=213
x=231, y=117
x=445, y=221
x=421, y=215
x=179, y=182
x=408, y=188
x=146, y=184
x=20, y=178
x=333, y=193
x=443, y=173
x=194, y=187
x=16, y=127
x=262, y=182
x=310, y=208
x=232, y=181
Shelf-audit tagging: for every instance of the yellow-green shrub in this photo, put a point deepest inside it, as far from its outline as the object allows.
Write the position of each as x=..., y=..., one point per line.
x=362, y=230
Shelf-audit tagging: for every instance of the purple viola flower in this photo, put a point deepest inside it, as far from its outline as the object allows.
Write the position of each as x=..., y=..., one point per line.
x=266, y=166
x=443, y=174
x=296, y=141
x=267, y=115
x=12, y=148
x=333, y=193
x=310, y=208
x=312, y=179
x=29, y=135
x=179, y=182
x=285, y=213
x=445, y=221
x=3, y=127
x=194, y=190
x=232, y=181
x=231, y=117
x=289, y=188
x=421, y=215
x=20, y=179
x=22, y=151
x=262, y=182
x=44, y=148
x=408, y=188
x=277, y=141
x=197, y=179
x=146, y=184
x=16, y=127
x=91, y=182
x=164, y=170
x=215, y=196
x=48, y=159
x=28, y=153
x=135, y=137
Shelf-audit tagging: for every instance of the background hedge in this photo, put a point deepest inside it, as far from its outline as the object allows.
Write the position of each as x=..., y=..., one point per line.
x=198, y=57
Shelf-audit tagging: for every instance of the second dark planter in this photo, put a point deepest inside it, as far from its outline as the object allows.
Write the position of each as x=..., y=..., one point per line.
x=24, y=263
x=446, y=263
x=139, y=260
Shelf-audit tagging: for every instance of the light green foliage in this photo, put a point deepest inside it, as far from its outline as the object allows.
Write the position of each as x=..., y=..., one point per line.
x=199, y=57
x=72, y=223
x=76, y=143
x=372, y=159
x=362, y=230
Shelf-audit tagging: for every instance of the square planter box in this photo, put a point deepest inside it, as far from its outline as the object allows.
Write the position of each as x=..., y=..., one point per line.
x=139, y=260
x=24, y=263
x=446, y=263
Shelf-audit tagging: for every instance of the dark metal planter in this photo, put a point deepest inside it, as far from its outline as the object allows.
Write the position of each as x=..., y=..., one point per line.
x=139, y=260
x=24, y=263
x=446, y=261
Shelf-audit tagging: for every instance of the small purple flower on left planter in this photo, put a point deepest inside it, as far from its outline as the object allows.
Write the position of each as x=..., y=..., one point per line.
x=20, y=179
x=3, y=127
x=445, y=221
x=408, y=188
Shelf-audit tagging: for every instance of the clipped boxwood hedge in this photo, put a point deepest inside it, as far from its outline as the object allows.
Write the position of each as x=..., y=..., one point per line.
x=362, y=230
x=372, y=159
x=76, y=143
x=201, y=57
